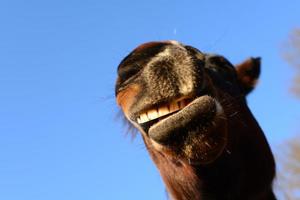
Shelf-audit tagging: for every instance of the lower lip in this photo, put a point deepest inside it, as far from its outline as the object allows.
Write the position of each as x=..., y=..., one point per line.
x=197, y=111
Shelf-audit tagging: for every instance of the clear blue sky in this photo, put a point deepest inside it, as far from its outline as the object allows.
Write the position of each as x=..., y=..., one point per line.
x=59, y=135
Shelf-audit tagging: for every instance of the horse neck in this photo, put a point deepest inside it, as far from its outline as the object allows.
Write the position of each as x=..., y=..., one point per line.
x=245, y=170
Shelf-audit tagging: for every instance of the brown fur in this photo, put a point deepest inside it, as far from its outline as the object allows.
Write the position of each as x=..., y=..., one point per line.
x=227, y=156
x=126, y=97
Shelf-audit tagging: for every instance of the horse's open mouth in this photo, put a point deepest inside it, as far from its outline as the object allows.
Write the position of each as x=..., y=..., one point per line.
x=163, y=110
x=181, y=116
x=154, y=115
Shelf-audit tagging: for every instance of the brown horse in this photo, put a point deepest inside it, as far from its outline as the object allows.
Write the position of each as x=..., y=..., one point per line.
x=191, y=110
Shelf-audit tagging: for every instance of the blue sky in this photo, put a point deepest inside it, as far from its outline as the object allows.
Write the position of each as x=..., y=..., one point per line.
x=60, y=137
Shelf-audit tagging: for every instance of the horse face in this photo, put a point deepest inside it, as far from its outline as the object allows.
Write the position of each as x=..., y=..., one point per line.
x=180, y=99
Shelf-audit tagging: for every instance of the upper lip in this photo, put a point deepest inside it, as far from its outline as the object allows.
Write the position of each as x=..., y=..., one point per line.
x=158, y=111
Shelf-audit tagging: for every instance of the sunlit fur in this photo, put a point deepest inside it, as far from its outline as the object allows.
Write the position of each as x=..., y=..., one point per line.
x=211, y=149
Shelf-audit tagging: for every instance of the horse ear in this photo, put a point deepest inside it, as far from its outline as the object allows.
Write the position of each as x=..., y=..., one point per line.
x=248, y=73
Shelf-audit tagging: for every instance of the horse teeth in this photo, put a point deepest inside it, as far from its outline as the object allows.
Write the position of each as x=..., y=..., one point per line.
x=139, y=120
x=174, y=107
x=182, y=104
x=152, y=114
x=161, y=111
x=144, y=118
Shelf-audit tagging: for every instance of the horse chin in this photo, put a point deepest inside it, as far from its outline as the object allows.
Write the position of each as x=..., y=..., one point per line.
x=196, y=134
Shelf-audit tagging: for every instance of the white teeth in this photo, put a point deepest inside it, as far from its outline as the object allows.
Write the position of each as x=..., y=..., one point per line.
x=164, y=110
x=152, y=114
x=139, y=120
x=161, y=111
x=144, y=117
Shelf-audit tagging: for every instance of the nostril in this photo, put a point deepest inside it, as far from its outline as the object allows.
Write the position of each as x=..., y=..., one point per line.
x=195, y=52
x=126, y=72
